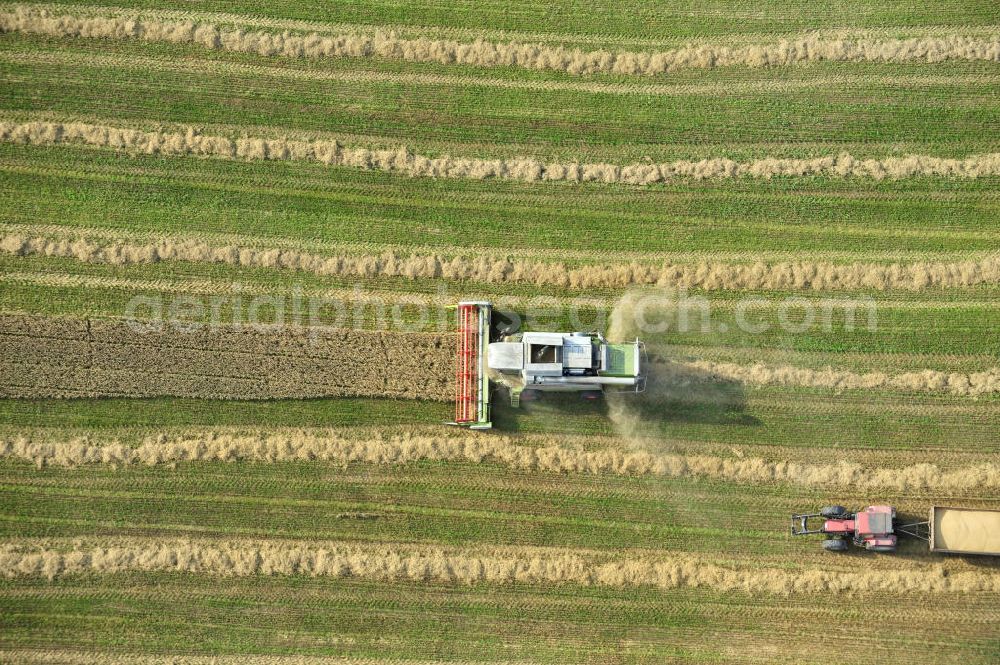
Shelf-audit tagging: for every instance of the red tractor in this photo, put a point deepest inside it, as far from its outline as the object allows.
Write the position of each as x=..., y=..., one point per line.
x=871, y=528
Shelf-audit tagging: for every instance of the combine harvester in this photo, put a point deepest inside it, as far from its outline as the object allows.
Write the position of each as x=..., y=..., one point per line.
x=947, y=530
x=532, y=363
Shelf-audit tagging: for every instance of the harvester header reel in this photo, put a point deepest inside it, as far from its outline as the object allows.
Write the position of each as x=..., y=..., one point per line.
x=472, y=383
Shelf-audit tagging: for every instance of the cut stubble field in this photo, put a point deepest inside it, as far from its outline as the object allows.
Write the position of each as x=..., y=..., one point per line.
x=84, y=189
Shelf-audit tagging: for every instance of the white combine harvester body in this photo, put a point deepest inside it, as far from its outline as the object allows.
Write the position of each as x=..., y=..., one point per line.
x=566, y=361
x=530, y=363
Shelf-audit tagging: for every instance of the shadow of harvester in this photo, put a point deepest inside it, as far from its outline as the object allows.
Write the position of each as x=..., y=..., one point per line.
x=675, y=394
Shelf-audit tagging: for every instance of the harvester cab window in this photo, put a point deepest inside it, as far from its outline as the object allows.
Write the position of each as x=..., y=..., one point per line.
x=545, y=354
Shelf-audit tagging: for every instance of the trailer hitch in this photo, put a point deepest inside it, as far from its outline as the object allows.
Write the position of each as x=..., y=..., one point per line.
x=802, y=524
x=920, y=530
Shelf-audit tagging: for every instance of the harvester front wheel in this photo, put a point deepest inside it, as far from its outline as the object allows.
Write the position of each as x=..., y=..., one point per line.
x=835, y=545
x=833, y=512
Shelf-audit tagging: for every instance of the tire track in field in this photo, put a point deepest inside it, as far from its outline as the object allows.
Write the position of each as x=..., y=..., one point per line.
x=49, y=357
x=228, y=288
x=955, y=383
x=708, y=275
x=671, y=378
x=534, y=454
x=60, y=657
x=399, y=562
x=471, y=34
x=526, y=169
x=482, y=53
x=727, y=88
x=62, y=357
x=279, y=360
x=375, y=302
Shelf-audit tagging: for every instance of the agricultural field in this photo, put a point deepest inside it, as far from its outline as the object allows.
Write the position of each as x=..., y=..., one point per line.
x=230, y=236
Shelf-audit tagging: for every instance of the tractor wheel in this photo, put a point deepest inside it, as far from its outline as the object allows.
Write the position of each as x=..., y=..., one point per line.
x=833, y=512
x=591, y=395
x=531, y=395
x=835, y=545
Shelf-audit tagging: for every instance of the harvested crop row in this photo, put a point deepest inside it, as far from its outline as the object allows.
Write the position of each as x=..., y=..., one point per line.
x=803, y=275
x=480, y=53
x=401, y=160
x=467, y=566
x=244, y=363
x=333, y=246
x=955, y=383
x=528, y=454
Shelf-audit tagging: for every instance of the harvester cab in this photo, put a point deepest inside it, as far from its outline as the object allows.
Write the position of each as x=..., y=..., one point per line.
x=872, y=528
x=531, y=363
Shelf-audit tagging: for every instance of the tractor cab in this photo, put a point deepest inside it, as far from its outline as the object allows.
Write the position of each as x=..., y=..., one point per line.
x=871, y=528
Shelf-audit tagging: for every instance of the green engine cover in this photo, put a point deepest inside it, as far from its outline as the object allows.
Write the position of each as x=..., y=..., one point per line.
x=621, y=360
